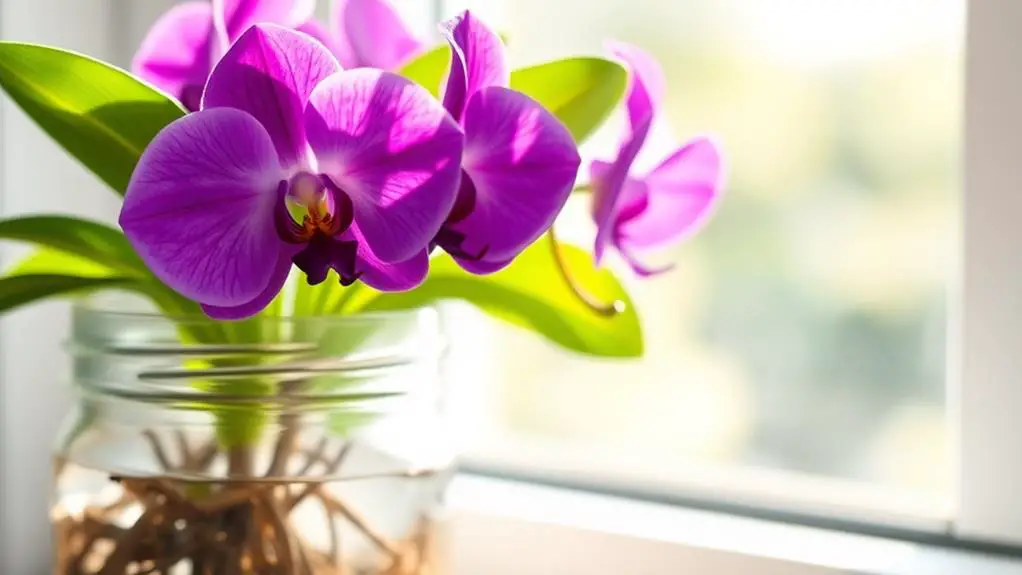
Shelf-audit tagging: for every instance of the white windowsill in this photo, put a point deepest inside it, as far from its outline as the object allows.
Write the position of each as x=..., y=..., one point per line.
x=509, y=528
x=581, y=462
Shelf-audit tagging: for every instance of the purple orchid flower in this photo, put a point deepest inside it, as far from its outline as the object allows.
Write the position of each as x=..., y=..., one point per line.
x=182, y=47
x=292, y=160
x=520, y=161
x=370, y=33
x=670, y=202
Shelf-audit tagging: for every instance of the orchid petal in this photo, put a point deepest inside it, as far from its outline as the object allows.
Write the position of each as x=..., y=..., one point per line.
x=391, y=277
x=390, y=146
x=394, y=277
x=199, y=207
x=373, y=35
x=233, y=17
x=600, y=174
x=483, y=266
x=522, y=162
x=607, y=181
x=641, y=269
x=281, y=269
x=477, y=61
x=320, y=32
x=644, y=96
x=648, y=83
x=176, y=54
x=340, y=43
x=633, y=201
x=269, y=73
x=681, y=192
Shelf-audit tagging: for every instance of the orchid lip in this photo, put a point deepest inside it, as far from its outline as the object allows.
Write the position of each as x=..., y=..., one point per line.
x=324, y=253
x=311, y=205
x=313, y=211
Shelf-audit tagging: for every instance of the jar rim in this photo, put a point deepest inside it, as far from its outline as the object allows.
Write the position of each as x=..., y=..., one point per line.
x=120, y=350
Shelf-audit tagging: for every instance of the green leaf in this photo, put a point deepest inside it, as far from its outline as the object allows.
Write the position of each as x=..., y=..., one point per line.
x=90, y=241
x=581, y=92
x=73, y=247
x=53, y=261
x=16, y=291
x=51, y=273
x=530, y=293
x=428, y=69
x=100, y=114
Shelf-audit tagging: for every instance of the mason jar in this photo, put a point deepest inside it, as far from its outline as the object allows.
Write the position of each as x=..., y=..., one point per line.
x=303, y=445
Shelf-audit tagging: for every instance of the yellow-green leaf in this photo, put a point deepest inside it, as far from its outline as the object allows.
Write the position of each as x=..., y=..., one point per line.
x=53, y=261
x=101, y=115
x=581, y=92
x=428, y=69
x=91, y=241
x=16, y=291
x=529, y=293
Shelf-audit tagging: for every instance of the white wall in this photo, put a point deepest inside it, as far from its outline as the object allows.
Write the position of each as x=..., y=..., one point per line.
x=37, y=176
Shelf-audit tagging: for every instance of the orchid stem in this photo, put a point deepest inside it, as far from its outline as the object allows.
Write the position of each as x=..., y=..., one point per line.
x=602, y=308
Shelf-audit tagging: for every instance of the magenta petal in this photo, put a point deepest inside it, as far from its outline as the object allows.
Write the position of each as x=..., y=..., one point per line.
x=644, y=95
x=607, y=181
x=234, y=17
x=391, y=277
x=647, y=86
x=269, y=73
x=281, y=269
x=391, y=147
x=681, y=193
x=340, y=43
x=632, y=203
x=199, y=207
x=600, y=172
x=320, y=32
x=176, y=53
x=477, y=61
x=483, y=266
x=372, y=34
x=522, y=162
x=400, y=276
x=641, y=269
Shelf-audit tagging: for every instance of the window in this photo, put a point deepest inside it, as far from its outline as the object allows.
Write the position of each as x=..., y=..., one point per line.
x=798, y=350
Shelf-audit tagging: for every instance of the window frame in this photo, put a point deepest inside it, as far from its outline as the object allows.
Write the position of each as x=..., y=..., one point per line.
x=986, y=327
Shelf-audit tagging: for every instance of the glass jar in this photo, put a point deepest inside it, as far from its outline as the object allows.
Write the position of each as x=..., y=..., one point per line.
x=304, y=446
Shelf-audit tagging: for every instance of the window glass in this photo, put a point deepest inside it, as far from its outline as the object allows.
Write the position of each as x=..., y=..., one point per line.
x=804, y=329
